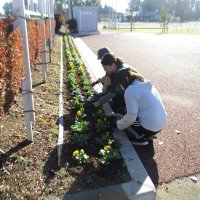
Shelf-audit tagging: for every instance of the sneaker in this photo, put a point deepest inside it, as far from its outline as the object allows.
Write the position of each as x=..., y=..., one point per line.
x=139, y=142
x=151, y=137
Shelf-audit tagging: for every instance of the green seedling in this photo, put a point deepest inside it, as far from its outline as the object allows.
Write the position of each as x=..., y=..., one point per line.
x=101, y=125
x=80, y=126
x=103, y=139
x=80, y=139
x=24, y=162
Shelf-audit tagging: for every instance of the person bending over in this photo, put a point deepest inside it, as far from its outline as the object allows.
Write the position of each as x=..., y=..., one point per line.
x=145, y=113
x=105, y=80
x=111, y=65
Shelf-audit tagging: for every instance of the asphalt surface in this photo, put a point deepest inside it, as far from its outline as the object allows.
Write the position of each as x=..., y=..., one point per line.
x=172, y=63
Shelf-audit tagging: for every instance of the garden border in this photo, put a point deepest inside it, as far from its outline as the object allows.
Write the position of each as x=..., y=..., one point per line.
x=141, y=186
x=61, y=126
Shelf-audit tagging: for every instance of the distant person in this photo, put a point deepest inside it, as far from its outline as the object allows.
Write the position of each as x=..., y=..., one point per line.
x=145, y=113
x=58, y=21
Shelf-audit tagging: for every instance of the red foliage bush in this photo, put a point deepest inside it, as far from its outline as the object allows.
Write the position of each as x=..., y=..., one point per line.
x=14, y=66
x=53, y=24
x=2, y=66
x=34, y=39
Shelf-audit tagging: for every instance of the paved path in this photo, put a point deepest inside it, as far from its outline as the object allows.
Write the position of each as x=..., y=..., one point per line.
x=172, y=63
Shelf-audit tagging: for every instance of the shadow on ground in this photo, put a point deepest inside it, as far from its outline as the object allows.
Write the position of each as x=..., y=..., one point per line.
x=4, y=157
x=146, y=154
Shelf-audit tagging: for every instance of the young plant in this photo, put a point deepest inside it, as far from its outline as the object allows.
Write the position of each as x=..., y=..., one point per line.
x=108, y=154
x=80, y=126
x=63, y=171
x=80, y=156
x=103, y=139
x=90, y=95
x=77, y=102
x=80, y=113
x=24, y=162
x=86, y=87
x=101, y=125
x=80, y=139
x=99, y=114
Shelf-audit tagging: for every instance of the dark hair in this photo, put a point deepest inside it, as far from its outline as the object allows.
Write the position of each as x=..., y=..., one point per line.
x=109, y=59
x=102, y=51
x=126, y=76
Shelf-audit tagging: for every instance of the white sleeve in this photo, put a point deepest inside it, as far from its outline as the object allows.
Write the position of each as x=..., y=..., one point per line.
x=130, y=98
x=126, y=121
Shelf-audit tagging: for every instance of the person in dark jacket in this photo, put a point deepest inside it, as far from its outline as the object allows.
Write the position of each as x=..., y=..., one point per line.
x=105, y=80
x=111, y=65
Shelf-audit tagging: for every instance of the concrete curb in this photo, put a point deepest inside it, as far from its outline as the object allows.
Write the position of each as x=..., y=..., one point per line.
x=86, y=33
x=141, y=187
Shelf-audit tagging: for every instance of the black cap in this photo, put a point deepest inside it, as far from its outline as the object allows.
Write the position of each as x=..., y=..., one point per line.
x=102, y=51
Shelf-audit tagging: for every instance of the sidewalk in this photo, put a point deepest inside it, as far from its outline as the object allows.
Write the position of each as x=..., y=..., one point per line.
x=141, y=186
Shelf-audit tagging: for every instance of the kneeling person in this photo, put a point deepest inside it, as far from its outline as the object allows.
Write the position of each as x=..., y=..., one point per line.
x=146, y=114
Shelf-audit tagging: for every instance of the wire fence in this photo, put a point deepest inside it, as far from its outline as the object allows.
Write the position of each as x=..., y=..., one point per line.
x=185, y=28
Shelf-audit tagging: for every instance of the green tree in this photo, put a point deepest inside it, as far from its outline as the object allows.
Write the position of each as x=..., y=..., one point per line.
x=183, y=10
x=132, y=9
x=197, y=10
x=151, y=5
x=86, y=2
x=164, y=18
x=8, y=9
x=92, y=2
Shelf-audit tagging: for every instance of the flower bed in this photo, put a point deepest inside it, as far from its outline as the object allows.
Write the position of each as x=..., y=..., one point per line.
x=89, y=150
x=30, y=171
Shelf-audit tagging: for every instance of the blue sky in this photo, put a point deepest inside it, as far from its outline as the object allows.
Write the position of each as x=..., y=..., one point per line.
x=119, y=5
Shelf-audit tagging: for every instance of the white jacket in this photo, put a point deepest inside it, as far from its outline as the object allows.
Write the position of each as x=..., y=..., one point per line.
x=143, y=102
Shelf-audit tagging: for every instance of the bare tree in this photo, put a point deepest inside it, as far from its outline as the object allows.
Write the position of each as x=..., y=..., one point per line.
x=132, y=8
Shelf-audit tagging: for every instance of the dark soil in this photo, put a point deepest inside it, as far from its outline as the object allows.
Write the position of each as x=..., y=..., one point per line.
x=30, y=170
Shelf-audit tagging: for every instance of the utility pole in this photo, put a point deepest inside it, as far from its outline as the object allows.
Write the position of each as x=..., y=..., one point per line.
x=109, y=20
x=112, y=15
x=70, y=9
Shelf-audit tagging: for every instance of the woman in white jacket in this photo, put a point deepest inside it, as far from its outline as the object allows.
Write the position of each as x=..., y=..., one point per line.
x=145, y=112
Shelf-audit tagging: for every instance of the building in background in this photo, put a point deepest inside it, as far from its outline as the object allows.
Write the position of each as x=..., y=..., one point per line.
x=87, y=19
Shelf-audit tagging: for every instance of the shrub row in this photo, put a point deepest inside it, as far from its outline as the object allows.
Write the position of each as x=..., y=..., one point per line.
x=12, y=68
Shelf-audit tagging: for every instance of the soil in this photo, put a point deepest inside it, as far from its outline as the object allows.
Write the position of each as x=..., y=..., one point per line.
x=30, y=170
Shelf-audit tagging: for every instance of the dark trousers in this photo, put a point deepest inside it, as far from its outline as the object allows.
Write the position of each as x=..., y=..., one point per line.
x=139, y=132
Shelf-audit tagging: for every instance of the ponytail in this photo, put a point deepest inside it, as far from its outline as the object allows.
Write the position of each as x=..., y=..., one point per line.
x=126, y=76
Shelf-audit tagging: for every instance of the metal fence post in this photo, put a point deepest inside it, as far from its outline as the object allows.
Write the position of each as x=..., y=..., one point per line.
x=44, y=50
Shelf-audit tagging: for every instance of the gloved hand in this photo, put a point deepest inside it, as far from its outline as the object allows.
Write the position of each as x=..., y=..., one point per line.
x=94, y=83
x=89, y=107
x=96, y=96
x=112, y=121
